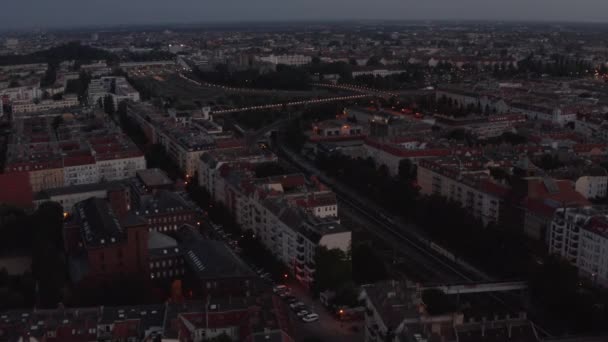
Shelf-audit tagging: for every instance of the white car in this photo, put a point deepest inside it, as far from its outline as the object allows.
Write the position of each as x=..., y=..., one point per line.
x=313, y=317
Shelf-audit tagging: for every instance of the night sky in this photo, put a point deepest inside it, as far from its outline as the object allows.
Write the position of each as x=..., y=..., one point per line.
x=64, y=13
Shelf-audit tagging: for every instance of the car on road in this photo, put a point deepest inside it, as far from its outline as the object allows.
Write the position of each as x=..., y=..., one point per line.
x=295, y=305
x=313, y=317
x=290, y=299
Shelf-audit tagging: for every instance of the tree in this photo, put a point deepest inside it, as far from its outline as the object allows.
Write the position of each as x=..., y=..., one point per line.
x=108, y=105
x=368, y=266
x=407, y=170
x=48, y=263
x=57, y=121
x=550, y=162
x=333, y=269
x=437, y=303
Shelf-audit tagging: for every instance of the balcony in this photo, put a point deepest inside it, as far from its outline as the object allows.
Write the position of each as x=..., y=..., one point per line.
x=300, y=241
x=300, y=249
x=559, y=223
x=300, y=258
x=310, y=267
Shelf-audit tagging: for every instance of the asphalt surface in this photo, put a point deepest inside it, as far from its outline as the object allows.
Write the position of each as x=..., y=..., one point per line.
x=327, y=328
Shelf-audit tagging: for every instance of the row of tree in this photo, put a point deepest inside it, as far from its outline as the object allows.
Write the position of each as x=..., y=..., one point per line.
x=284, y=77
x=39, y=235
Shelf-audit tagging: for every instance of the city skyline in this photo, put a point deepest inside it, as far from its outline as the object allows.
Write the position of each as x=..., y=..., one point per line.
x=70, y=13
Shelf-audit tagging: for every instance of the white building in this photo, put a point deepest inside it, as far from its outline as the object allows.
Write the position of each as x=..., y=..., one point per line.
x=78, y=170
x=551, y=113
x=25, y=93
x=68, y=196
x=44, y=105
x=117, y=87
x=580, y=235
x=476, y=193
x=287, y=59
x=85, y=172
x=377, y=72
x=594, y=184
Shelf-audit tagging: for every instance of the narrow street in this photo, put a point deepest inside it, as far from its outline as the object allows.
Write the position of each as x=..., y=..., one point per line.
x=327, y=328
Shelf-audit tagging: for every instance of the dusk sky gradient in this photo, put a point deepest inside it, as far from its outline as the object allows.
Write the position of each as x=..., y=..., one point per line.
x=64, y=13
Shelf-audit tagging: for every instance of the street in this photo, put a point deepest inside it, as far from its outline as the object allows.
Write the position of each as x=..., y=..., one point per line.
x=327, y=328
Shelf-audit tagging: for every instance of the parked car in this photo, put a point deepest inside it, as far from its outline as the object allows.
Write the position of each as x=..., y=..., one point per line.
x=279, y=288
x=313, y=317
x=303, y=313
x=295, y=305
x=290, y=299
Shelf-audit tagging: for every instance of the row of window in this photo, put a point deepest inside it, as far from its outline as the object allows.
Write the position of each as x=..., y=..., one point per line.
x=163, y=228
x=168, y=219
x=165, y=263
x=167, y=274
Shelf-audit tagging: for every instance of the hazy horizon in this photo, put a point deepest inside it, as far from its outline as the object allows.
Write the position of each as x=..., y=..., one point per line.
x=79, y=13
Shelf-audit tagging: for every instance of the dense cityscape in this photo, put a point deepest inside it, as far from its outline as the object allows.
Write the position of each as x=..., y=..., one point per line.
x=419, y=181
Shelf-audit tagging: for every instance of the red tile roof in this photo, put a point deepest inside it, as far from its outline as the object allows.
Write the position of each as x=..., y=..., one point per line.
x=78, y=158
x=565, y=193
x=16, y=189
x=408, y=153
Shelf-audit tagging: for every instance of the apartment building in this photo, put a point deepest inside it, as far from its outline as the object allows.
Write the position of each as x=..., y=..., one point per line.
x=391, y=151
x=290, y=215
x=116, y=87
x=211, y=163
x=593, y=183
x=20, y=107
x=475, y=191
x=196, y=321
x=580, y=235
x=295, y=60
x=184, y=143
x=395, y=312
x=74, y=154
x=482, y=126
x=70, y=195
